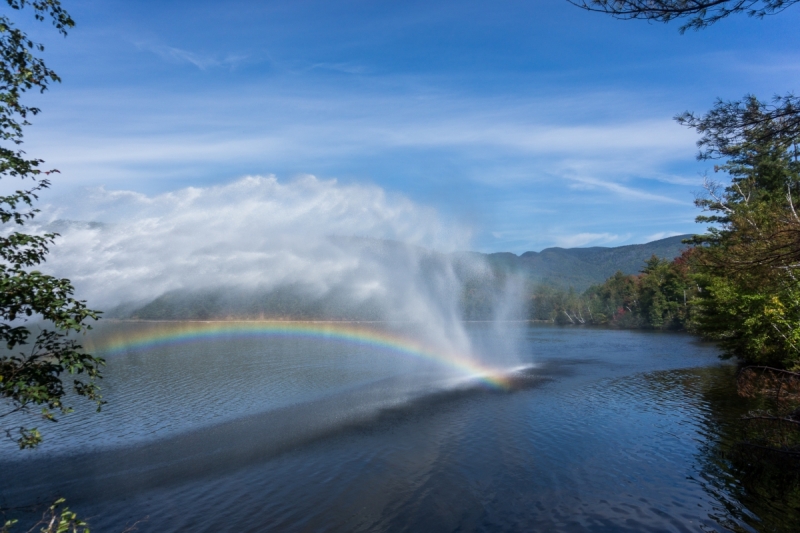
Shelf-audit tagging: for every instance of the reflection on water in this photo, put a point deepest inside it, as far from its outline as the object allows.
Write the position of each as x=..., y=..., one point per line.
x=609, y=431
x=751, y=491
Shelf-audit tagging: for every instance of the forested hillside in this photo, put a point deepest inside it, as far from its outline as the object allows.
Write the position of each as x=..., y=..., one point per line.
x=660, y=297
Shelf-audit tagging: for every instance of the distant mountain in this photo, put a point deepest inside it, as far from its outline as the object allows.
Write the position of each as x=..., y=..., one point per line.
x=581, y=268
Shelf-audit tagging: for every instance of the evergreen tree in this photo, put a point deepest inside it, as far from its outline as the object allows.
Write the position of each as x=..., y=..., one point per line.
x=749, y=261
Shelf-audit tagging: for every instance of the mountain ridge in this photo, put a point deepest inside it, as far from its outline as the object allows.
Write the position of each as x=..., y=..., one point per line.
x=580, y=268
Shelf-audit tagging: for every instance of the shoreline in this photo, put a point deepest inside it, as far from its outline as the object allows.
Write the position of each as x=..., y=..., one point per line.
x=309, y=321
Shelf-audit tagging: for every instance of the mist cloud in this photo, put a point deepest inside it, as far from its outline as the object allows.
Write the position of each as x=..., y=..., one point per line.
x=256, y=231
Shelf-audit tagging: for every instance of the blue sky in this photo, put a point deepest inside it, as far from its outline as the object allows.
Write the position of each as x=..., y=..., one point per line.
x=534, y=124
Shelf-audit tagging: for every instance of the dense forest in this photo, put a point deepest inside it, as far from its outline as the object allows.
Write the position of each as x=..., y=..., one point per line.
x=660, y=297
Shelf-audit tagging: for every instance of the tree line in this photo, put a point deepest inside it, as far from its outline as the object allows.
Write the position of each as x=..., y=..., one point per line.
x=660, y=297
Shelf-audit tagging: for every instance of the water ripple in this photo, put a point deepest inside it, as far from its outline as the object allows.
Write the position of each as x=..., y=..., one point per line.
x=608, y=431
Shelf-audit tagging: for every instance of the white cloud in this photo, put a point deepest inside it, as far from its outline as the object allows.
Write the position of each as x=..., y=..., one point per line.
x=260, y=233
x=584, y=239
x=268, y=127
x=585, y=183
x=661, y=235
x=406, y=139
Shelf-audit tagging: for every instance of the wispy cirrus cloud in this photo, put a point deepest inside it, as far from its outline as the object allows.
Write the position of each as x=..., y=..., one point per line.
x=345, y=68
x=594, y=239
x=662, y=235
x=544, y=161
x=203, y=62
x=585, y=183
x=459, y=108
x=267, y=124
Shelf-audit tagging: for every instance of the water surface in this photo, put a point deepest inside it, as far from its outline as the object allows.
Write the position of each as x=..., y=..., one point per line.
x=607, y=431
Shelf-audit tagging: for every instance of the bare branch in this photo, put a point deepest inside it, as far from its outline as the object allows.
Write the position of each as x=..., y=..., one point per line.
x=700, y=13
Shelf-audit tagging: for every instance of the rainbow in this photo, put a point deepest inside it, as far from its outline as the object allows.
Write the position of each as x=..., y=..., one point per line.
x=177, y=333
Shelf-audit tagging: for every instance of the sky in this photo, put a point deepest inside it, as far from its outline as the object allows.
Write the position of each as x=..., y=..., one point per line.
x=530, y=124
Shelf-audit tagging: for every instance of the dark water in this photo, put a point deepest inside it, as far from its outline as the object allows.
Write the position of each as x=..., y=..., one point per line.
x=608, y=431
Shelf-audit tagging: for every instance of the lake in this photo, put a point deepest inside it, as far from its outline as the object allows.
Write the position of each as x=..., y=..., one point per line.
x=590, y=430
